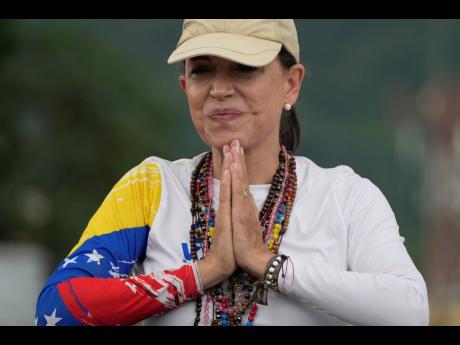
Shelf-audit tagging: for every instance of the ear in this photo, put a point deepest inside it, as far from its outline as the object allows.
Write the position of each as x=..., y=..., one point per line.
x=182, y=82
x=294, y=78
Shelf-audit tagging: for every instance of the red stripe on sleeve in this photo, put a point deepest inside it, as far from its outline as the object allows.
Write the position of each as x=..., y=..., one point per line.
x=114, y=301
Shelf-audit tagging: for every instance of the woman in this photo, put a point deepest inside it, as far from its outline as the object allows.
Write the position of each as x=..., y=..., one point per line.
x=247, y=233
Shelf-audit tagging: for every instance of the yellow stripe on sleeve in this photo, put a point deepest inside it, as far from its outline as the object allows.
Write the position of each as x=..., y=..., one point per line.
x=132, y=202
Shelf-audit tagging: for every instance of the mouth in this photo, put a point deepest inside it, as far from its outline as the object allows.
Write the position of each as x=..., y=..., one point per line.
x=224, y=115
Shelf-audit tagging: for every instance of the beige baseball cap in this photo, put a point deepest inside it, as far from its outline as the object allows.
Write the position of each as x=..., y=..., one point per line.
x=252, y=42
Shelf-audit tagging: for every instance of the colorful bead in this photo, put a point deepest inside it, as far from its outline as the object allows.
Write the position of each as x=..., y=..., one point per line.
x=229, y=307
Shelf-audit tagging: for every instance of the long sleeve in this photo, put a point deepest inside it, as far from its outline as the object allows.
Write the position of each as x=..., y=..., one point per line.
x=381, y=286
x=93, y=286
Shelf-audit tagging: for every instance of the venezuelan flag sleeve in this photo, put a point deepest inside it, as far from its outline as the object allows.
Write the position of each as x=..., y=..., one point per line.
x=93, y=285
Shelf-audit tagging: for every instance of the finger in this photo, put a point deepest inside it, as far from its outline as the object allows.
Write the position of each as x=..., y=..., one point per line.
x=239, y=202
x=238, y=157
x=223, y=217
x=245, y=179
x=239, y=178
x=225, y=192
x=226, y=182
x=244, y=210
x=228, y=159
x=235, y=150
x=244, y=171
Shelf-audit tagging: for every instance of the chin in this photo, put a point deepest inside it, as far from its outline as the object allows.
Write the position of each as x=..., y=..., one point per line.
x=218, y=140
x=219, y=143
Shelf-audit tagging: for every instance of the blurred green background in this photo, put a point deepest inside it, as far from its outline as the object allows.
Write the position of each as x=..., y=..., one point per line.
x=83, y=101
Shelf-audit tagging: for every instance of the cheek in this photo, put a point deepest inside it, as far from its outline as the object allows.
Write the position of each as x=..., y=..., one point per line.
x=195, y=98
x=196, y=102
x=266, y=96
x=197, y=120
x=266, y=106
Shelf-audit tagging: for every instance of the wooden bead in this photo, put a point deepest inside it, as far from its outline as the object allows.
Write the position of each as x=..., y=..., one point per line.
x=282, y=190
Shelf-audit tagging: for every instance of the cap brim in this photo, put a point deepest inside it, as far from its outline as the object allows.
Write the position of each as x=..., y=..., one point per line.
x=246, y=50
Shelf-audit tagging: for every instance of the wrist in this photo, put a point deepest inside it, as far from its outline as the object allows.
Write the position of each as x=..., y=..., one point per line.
x=210, y=272
x=272, y=271
x=270, y=278
x=256, y=264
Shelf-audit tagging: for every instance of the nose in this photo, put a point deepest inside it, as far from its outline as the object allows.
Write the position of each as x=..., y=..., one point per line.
x=222, y=87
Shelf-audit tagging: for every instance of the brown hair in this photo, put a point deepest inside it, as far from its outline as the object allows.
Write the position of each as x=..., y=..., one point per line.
x=289, y=123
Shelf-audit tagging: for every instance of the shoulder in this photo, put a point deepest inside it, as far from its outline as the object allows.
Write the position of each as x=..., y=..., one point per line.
x=163, y=172
x=165, y=166
x=311, y=173
x=341, y=181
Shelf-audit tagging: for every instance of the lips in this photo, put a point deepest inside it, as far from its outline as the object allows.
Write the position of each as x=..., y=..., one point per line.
x=225, y=114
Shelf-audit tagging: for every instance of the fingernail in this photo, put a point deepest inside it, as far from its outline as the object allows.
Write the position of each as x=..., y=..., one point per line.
x=242, y=151
x=226, y=172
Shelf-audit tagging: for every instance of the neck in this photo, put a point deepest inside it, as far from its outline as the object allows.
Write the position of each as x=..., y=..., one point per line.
x=261, y=163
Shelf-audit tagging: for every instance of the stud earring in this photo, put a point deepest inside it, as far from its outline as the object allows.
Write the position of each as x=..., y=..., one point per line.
x=287, y=106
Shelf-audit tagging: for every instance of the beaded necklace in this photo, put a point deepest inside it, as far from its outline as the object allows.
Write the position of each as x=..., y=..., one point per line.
x=230, y=303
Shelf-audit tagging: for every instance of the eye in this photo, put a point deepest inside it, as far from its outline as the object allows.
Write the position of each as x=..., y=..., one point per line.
x=245, y=68
x=198, y=70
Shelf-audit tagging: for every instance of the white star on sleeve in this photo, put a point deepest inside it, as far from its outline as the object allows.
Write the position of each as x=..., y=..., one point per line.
x=69, y=261
x=94, y=257
x=52, y=320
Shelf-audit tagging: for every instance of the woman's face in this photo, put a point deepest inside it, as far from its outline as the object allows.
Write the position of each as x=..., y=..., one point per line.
x=231, y=101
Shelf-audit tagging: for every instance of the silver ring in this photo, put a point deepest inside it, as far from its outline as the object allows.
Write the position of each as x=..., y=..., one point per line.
x=245, y=193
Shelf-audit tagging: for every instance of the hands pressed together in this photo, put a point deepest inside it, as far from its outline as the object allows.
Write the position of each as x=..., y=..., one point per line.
x=238, y=236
